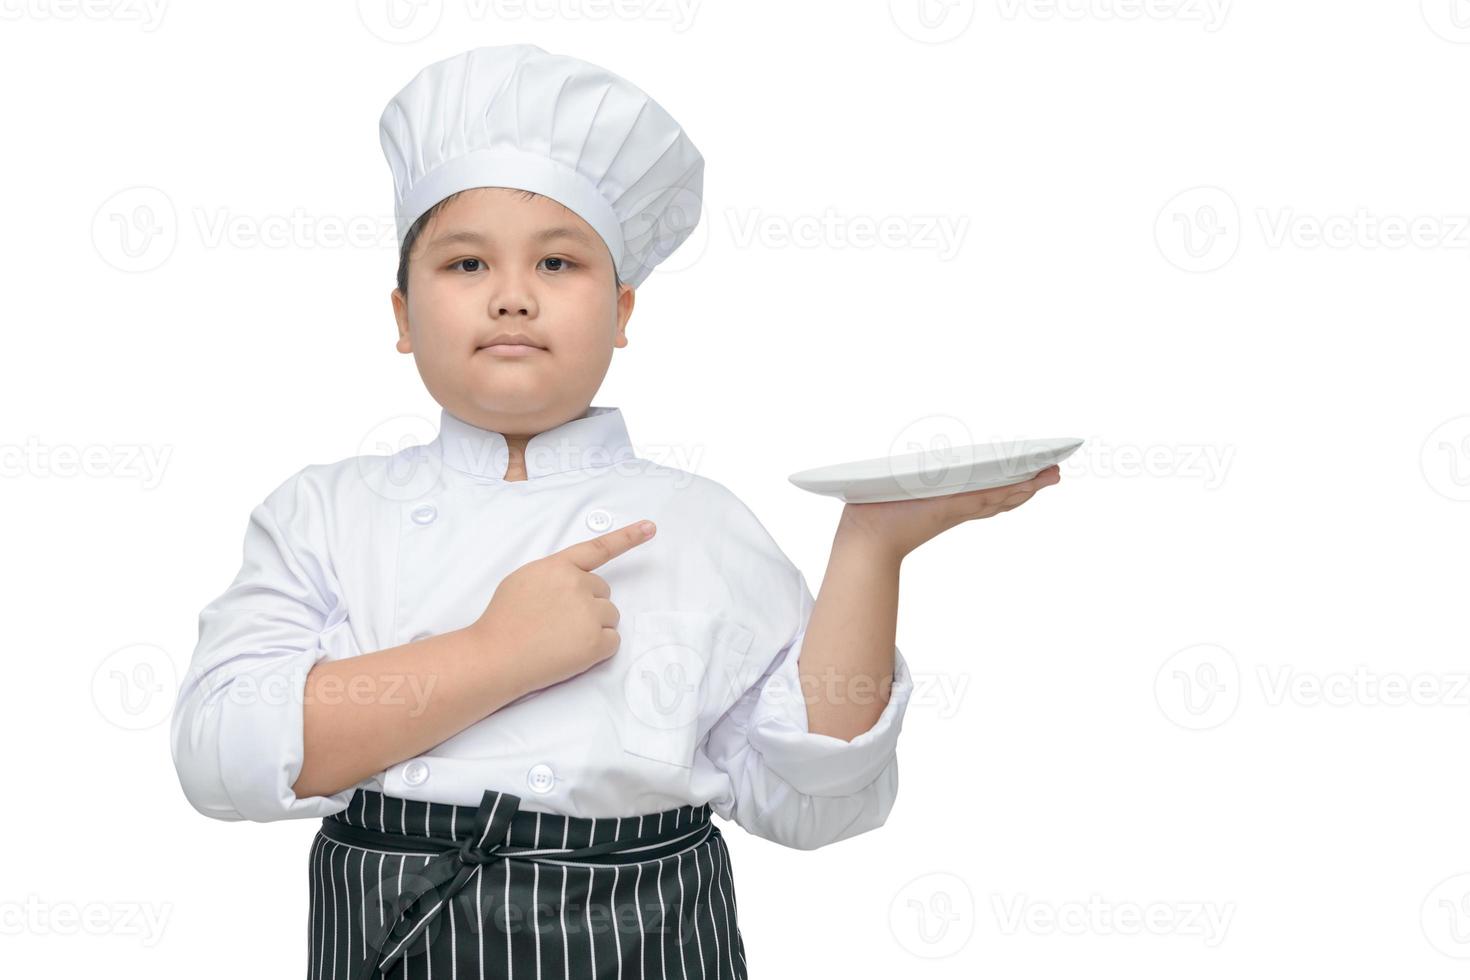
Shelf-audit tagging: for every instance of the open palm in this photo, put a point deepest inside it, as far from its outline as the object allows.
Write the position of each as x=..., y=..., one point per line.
x=903, y=525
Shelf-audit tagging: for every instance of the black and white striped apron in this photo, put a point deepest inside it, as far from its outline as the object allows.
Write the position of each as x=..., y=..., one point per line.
x=403, y=888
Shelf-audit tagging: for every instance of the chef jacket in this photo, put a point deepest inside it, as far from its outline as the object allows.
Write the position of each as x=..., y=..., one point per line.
x=702, y=701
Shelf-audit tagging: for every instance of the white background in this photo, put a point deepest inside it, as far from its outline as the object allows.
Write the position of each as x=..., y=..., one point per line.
x=1214, y=682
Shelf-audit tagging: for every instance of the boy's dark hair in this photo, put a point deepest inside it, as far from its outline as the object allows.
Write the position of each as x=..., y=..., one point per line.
x=417, y=228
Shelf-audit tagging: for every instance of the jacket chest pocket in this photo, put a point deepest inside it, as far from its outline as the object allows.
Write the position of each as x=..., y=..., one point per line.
x=683, y=671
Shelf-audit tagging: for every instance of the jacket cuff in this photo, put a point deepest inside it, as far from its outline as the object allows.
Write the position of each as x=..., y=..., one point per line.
x=823, y=765
x=261, y=744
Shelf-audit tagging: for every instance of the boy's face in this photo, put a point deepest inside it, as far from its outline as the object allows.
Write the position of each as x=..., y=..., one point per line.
x=494, y=262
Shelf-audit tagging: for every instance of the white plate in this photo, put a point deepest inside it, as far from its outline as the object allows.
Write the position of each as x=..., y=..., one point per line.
x=936, y=473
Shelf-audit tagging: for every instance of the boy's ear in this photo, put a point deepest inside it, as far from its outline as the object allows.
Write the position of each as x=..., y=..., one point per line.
x=625, y=310
x=400, y=314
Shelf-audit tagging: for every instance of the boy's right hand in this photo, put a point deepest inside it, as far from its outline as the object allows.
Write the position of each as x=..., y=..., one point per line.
x=553, y=617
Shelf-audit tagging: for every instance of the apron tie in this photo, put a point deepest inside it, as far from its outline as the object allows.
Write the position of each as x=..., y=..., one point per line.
x=437, y=883
x=455, y=862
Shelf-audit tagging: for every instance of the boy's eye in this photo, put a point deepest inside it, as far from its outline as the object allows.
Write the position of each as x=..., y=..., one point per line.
x=461, y=262
x=561, y=263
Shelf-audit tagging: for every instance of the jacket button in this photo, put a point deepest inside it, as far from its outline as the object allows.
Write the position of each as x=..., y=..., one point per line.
x=425, y=514
x=541, y=778
x=416, y=772
x=599, y=519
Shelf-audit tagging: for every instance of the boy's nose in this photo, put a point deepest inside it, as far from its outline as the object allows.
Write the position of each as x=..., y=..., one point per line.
x=512, y=302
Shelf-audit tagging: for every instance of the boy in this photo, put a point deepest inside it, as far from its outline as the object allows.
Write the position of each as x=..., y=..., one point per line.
x=491, y=777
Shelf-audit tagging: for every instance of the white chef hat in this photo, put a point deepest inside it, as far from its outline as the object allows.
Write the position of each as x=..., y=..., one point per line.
x=513, y=115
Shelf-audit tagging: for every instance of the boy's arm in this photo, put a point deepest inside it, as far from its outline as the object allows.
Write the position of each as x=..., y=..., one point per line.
x=847, y=657
x=791, y=783
x=846, y=662
x=811, y=746
x=366, y=713
x=237, y=722
x=280, y=715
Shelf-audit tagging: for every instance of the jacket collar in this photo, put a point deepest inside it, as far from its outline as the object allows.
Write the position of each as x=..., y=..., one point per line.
x=595, y=439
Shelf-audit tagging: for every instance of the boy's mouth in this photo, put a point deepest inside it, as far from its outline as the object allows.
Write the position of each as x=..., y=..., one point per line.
x=512, y=345
x=513, y=350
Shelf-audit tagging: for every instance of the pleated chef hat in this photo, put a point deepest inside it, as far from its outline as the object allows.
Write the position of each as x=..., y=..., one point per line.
x=513, y=115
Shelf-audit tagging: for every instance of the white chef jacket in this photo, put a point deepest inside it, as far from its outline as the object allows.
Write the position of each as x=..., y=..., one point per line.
x=701, y=703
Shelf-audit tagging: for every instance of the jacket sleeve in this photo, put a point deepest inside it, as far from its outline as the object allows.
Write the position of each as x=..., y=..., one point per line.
x=236, y=734
x=792, y=786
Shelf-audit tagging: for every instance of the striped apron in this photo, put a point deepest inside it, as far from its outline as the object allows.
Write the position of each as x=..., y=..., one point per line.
x=403, y=888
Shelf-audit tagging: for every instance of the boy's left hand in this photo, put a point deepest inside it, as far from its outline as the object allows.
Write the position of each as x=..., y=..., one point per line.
x=900, y=526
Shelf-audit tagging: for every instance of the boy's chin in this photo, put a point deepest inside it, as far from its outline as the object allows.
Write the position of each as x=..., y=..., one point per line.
x=514, y=391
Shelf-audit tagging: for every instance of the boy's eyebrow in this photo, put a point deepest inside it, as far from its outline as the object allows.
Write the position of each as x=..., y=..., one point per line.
x=467, y=237
x=576, y=234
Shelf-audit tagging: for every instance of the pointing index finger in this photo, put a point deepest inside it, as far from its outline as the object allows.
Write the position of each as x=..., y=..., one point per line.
x=593, y=552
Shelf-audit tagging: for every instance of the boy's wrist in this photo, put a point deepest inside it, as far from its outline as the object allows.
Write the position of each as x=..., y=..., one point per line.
x=853, y=537
x=503, y=675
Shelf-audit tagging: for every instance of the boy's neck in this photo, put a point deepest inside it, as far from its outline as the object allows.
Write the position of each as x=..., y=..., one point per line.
x=515, y=466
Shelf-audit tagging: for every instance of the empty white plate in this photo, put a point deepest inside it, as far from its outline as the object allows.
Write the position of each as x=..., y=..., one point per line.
x=936, y=473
